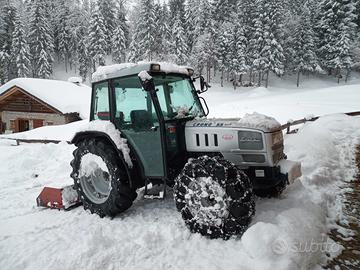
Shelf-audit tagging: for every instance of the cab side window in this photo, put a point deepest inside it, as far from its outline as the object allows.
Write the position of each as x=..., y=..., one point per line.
x=101, y=102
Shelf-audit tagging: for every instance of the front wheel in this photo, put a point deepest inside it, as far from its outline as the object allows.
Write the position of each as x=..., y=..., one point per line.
x=214, y=197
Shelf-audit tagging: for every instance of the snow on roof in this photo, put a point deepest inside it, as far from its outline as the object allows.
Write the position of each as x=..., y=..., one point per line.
x=65, y=96
x=126, y=69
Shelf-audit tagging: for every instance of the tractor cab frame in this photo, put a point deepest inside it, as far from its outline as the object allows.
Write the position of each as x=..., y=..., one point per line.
x=152, y=117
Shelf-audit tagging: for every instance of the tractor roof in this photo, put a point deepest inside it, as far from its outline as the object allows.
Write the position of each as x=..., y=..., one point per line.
x=127, y=69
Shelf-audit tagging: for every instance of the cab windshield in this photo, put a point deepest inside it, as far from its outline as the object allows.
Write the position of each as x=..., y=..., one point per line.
x=176, y=95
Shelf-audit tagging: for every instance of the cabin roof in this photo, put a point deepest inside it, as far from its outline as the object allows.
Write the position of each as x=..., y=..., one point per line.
x=62, y=96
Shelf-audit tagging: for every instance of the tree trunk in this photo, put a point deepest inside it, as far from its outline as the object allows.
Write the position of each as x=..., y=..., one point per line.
x=267, y=79
x=347, y=75
x=250, y=79
x=209, y=72
x=65, y=60
x=259, y=79
x=222, y=78
x=240, y=79
x=298, y=78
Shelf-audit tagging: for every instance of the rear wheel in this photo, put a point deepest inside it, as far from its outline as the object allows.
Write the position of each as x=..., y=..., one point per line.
x=214, y=197
x=100, y=178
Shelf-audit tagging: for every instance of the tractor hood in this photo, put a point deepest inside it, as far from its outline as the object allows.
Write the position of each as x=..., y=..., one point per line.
x=248, y=141
x=249, y=121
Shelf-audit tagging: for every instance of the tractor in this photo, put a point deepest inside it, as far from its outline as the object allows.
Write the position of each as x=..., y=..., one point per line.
x=148, y=129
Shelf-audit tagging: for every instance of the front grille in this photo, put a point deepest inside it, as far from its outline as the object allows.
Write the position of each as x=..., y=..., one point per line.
x=249, y=140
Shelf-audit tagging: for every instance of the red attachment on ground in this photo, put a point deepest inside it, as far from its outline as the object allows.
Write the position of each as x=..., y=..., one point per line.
x=50, y=197
x=53, y=198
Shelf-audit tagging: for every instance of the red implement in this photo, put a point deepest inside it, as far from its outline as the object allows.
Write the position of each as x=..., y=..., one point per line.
x=58, y=198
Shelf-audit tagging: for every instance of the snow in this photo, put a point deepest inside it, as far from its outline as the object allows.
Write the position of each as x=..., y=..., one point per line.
x=125, y=69
x=144, y=76
x=103, y=71
x=69, y=197
x=57, y=133
x=90, y=163
x=77, y=80
x=108, y=128
x=65, y=96
x=153, y=234
x=260, y=121
x=283, y=101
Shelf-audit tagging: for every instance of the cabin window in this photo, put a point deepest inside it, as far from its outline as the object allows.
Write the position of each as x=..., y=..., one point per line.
x=101, y=102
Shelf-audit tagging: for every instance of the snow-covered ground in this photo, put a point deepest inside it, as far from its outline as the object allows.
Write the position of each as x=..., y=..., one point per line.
x=284, y=100
x=286, y=233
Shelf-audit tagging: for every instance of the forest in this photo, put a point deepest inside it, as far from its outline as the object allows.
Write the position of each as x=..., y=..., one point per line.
x=240, y=41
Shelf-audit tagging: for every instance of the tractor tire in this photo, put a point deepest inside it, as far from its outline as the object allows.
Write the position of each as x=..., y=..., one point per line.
x=214, y=197
x=100, y=178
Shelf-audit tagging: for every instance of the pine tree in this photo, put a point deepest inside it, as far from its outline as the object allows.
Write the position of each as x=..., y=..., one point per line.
x=223, y=48
x=178, y=44
x=121, y=15
x=190, y=8
x=337, y=27
x=20, y=49
x=96, y=39
x=63, y=37
x=221, y=10
x=237, y=50
x=267, y=49
x=83, y=59
x=40, y=40
x=177, y=10
x=108, y=13
x=305, y=58
x=143, y=43
x=163, y=34
x=7, y=65
x=119, y=44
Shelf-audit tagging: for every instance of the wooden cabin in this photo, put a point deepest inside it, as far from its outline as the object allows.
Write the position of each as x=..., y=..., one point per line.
x=27, y=103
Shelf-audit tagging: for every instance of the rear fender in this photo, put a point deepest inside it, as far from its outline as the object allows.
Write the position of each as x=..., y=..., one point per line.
x=83, y=135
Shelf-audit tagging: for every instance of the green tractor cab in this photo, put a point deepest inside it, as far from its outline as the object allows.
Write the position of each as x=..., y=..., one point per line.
x=148, y=129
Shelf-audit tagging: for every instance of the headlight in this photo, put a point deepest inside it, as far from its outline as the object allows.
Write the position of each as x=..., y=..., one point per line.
x=249, y=140
x=277, y=137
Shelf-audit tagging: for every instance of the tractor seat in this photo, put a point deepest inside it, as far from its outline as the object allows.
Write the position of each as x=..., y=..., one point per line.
x=141, y=120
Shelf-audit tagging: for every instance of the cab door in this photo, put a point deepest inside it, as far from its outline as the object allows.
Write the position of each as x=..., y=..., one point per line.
x=135, y=117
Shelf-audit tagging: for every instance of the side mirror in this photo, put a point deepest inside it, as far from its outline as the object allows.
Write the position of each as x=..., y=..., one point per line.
x=202, y=83
x=204, y=86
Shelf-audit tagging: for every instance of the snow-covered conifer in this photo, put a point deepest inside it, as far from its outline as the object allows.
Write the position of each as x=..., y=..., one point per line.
x=108, y=13
x=96, y=38
x=20, y=49
x=142, y=46
x=178, y=44
x=40, y=40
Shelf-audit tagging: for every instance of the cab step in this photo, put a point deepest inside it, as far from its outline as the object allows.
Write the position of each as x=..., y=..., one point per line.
x=155, y=189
